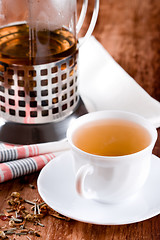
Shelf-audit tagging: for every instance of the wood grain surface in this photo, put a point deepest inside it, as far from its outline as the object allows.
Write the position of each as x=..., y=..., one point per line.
x=130, y=32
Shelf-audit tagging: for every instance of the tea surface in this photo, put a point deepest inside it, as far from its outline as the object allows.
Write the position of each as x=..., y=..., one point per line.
x=20, y=45
x=113, y=137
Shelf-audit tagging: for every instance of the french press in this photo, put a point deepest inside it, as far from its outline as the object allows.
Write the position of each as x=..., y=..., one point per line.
x=39, y=68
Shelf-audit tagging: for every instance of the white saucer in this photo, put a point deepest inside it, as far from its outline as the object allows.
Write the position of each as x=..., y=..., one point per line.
x=56, y=187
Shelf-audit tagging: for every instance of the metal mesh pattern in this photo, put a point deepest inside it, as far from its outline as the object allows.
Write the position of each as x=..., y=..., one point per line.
x=39, y=93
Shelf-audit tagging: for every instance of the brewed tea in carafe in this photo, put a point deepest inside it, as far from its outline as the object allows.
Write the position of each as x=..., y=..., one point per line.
x=16, y=49
x=47, y=35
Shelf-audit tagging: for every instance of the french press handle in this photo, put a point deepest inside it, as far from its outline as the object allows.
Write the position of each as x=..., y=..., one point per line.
x=92, y=23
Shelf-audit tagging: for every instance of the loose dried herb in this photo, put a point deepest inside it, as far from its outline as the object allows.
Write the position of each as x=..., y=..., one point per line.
x=3, y=217
x=32, y=186
x=18, y=217
x=2, y=235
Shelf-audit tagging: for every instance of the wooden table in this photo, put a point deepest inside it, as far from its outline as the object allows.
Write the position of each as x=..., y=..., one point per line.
x=130, y=31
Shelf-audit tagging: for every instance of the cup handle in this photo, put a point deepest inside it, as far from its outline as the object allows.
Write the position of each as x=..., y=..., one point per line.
x=92, y=23
x=82, y=173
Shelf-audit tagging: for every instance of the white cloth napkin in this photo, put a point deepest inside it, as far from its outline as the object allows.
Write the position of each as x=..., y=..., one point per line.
x=104, y=85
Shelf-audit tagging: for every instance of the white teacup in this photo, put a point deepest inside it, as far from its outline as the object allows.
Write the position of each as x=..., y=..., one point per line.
x=111, y=179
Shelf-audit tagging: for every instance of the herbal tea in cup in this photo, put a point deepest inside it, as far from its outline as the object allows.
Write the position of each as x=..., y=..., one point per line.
x=111, y=137
x=112, y=153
